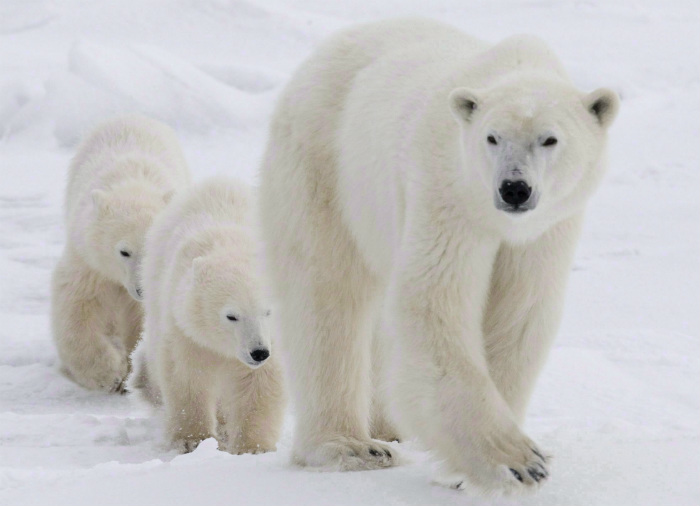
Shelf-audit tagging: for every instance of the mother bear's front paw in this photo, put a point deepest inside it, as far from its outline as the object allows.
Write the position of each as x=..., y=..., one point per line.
x=346, y=454
x=508, y=462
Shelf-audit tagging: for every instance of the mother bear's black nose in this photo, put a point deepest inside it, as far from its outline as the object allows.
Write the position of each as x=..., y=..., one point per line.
x=260, y=354
x=515, y=193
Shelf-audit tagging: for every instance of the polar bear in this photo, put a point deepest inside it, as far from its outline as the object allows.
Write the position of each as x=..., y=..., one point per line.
x=121, y=177
x=206, y=341
x=422, y=193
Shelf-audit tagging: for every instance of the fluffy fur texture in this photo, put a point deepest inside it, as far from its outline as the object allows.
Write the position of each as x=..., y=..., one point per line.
x=122, y=176
x=385, y=218
x=206, y=337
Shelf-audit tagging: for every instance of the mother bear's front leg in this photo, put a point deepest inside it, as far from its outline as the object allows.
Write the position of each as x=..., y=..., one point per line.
x=525, y=307
x=442, y=390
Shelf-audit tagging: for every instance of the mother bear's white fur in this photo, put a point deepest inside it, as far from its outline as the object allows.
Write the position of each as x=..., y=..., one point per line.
x=382, y=217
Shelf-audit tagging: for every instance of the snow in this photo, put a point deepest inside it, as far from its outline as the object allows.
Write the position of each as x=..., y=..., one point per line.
x=618, y=403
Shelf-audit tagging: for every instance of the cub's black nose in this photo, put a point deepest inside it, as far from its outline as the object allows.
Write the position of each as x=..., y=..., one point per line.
x=515, y=193
x=260, y=354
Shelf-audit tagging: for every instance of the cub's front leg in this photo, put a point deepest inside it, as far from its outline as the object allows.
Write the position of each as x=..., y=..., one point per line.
x=83, y=317
x=130, y=323
x=189, y=386
x=253, y=403
x=442, y=389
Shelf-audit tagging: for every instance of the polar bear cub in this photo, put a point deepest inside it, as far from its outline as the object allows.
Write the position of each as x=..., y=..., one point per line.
x=122, y=176
x=205, y=352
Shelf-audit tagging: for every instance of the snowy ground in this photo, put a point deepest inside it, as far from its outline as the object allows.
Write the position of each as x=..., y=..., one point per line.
x=618, y=404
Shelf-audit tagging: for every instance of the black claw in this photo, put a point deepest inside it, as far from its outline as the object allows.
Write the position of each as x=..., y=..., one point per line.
x=374, y=452
x=388, y=453
x=118, y=386
x=535, y=474
x=543, y=470
x=516, y=474
x=538, y=454
x=458, y=485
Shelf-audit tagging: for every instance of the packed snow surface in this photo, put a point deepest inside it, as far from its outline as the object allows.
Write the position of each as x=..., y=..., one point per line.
x=618, y=403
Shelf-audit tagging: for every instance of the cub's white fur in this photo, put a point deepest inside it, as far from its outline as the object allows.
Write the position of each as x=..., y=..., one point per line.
x=122, y=176
x=207, y=322
x=385, y=218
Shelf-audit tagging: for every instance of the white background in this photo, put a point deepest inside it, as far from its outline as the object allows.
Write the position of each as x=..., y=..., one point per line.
x=618, y=403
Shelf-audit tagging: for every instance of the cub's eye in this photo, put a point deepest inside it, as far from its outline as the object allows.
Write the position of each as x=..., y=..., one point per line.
x=268, y=312
x=231, y=318
x=125, y=253
x=492, y=140
x=550, y=141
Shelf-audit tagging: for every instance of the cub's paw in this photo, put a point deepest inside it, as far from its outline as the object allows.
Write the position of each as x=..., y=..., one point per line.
x=107, y=372
x=252, y=448
x=347, y=454
x=187, y=444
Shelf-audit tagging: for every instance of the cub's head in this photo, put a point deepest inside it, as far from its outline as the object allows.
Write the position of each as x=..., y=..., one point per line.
x=537, y=145
x=121, y=217
x=221, y=307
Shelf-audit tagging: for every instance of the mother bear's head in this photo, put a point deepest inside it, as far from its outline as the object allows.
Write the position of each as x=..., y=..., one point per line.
x=536, y=143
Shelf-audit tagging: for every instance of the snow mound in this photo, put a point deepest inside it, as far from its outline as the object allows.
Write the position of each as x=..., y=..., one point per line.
x=245, y=78
x=101, y=81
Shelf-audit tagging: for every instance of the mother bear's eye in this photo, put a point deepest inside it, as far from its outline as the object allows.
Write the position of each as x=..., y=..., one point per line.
x=125, y=253
x=550, y=141
x=231, y=317
x=492, y=140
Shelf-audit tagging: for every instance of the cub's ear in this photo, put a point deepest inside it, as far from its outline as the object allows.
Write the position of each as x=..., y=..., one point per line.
x=602, y=103
x=463, y=103
x=200, y=272
x=168, y=196
x=100, y=200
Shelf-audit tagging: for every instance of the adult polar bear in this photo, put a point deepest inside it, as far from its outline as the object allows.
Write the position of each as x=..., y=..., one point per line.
x=423, y=178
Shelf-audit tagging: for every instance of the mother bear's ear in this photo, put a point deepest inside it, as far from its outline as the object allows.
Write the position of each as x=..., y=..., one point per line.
x=463, y=103
x=603, y=103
